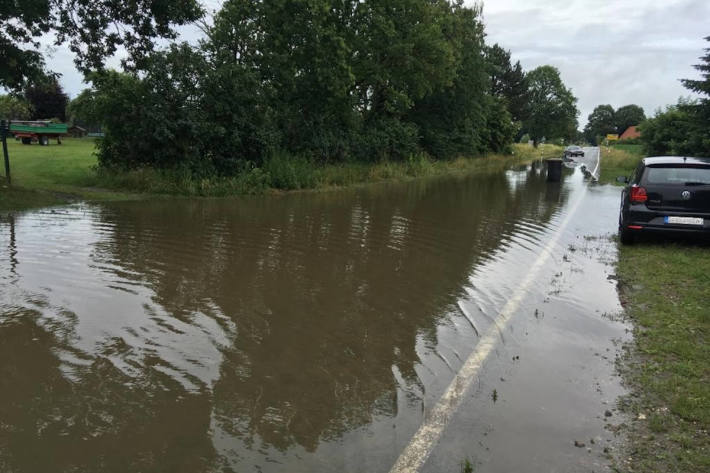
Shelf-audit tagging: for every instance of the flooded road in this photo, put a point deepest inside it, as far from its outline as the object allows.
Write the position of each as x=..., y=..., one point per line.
x=310, y=332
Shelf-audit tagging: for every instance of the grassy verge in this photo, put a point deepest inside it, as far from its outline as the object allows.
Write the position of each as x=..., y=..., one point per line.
x=282, y=172
x=619, y=161
x=70, y=170
x=666, y=290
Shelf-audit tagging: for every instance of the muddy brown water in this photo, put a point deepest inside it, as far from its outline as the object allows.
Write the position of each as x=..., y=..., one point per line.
x=297, y=333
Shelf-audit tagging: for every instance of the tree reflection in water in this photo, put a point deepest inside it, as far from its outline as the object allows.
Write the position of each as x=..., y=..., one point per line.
x=311, y=301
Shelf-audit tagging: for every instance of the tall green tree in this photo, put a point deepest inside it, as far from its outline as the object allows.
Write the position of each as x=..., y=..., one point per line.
x=13, y=107
x=48, y=99
x=454, y=120
x=553, y=110
x=157, y=119
x=81, y=110
x=508, y=82
x=699, y=111
x=600, y=122
x=628, y=115
x=701, y=86
x=92, y=29
x=670, y=131
x=402, y=56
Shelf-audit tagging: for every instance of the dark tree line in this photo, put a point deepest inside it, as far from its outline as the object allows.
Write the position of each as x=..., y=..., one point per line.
x=325, y=80
x=332, y=81
x=329, y=81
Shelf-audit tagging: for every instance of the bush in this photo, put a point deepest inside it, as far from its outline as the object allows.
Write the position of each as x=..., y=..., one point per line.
x=287, y=172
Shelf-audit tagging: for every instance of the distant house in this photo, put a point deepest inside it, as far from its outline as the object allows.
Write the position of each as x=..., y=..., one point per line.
x=76, y=131
x=630, y=133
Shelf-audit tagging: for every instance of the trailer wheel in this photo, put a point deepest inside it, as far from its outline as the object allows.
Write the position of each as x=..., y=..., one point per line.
x=26, y=140
x=43, y=140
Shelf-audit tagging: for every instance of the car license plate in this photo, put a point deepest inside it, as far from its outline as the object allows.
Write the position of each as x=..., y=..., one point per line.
x=685, y=220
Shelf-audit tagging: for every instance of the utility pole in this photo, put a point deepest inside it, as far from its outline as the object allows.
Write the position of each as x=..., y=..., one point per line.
x=4, y=131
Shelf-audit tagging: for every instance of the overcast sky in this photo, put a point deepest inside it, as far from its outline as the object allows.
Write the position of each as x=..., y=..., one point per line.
x=616, y=52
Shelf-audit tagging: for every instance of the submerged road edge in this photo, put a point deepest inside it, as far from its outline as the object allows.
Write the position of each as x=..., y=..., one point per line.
x=425, y=439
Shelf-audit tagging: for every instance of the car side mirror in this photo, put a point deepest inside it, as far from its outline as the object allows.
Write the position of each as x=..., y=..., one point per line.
x=622, y=179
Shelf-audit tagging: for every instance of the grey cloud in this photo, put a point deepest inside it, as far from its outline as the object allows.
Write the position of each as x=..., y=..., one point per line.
x=608, y=52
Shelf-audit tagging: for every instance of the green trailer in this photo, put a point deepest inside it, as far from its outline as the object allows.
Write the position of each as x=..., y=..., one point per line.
x=40, y=131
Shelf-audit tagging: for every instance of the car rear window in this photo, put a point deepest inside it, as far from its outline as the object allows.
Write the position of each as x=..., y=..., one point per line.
x=678, y=175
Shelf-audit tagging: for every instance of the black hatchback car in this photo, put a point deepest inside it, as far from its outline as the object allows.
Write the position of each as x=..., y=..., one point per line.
x=667, y=194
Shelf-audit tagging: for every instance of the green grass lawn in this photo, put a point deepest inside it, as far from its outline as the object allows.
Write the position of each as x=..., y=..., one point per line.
x=666, y=288
x=61, y=168
x=618, y=161
x=633, y=149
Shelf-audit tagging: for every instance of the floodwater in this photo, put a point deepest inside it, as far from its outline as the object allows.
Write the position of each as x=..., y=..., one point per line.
x=306, y=332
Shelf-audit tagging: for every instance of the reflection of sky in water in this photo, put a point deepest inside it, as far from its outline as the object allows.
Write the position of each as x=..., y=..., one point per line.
x=516, y=178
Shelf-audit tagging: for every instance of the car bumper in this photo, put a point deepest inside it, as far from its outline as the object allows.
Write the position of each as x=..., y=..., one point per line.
x=648, y=221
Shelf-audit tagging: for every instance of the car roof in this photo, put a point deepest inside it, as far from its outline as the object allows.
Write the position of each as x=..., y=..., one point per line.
x=661, y=160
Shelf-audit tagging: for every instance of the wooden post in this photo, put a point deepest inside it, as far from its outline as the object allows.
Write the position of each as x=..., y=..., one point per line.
x=4, y=130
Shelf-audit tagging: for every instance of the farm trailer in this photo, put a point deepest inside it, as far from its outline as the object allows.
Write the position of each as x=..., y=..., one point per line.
x=41, y=131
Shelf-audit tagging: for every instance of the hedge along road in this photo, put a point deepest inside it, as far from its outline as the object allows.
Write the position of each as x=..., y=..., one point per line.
x=314, y=332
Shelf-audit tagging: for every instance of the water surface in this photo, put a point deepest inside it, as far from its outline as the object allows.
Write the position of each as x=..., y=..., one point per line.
x=305, y=332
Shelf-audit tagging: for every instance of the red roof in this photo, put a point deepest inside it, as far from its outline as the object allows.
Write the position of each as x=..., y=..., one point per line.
x=630, y=133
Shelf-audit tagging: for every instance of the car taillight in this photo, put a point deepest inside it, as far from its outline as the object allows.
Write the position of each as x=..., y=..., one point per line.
x=638, y=194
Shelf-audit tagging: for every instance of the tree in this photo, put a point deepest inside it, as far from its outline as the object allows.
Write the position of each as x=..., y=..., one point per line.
x=601, y=121
x=93, y=30
x=404, y=55
x=14, y=108
x=81, y=110
x=320, y=79
x=455, y=119
x=626, y=116
x=553, y=109
x=701, y=86
x=157, y=119
x=508, y=82
x=669, y=131
x=699, y=112
x=48, y=100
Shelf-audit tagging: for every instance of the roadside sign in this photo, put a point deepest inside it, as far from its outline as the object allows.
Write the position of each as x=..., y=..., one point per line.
x=612, y=137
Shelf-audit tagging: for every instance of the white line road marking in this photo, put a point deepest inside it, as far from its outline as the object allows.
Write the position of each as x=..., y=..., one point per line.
x=599, y=158
x=421, y=445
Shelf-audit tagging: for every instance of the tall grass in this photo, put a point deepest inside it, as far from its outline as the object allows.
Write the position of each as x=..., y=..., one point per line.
x=618, y=161
x=72, y=169
x=282, y=171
